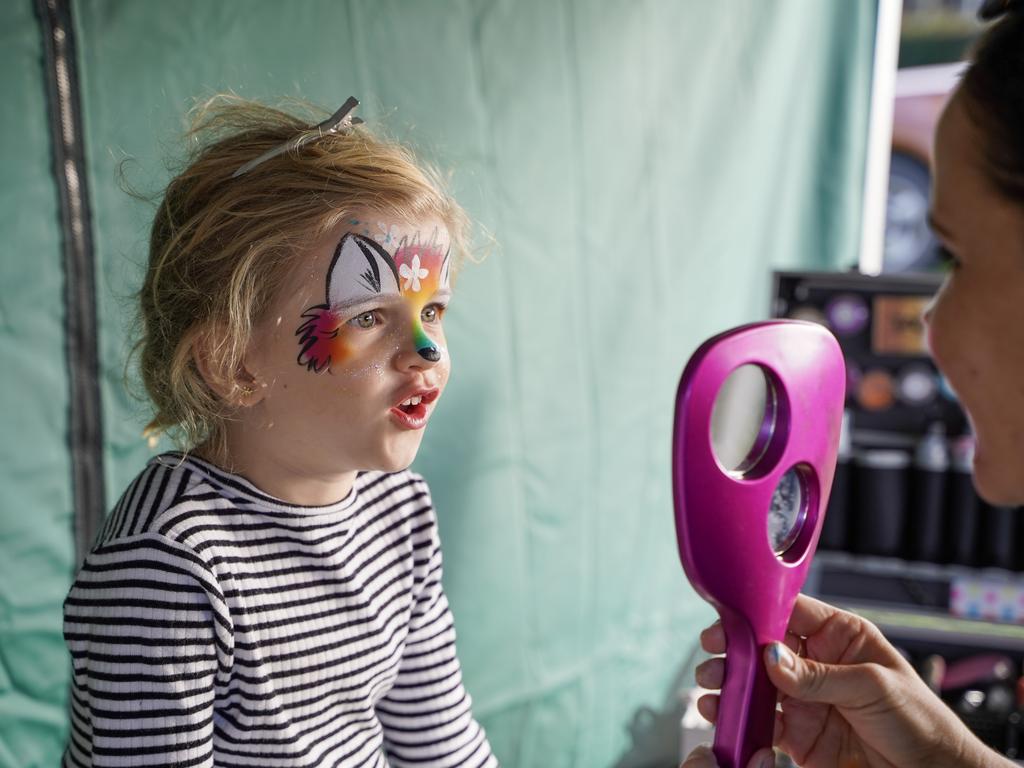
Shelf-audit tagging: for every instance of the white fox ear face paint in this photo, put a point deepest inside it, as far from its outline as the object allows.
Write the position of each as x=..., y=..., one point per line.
x=409, y=267
x=361, y=270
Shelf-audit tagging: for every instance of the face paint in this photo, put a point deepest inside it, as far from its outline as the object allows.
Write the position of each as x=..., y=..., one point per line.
x=362, y=271
x=424, y=269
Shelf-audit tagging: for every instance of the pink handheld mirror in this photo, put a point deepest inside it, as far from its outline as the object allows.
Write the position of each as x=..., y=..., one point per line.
x=757, y=422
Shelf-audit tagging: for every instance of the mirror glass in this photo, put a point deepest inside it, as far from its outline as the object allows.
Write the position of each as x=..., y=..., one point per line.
x=787, y=512
x=742, y=418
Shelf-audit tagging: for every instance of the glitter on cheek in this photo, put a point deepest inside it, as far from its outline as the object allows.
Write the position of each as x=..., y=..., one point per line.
x=369, y=362
x=373, y=369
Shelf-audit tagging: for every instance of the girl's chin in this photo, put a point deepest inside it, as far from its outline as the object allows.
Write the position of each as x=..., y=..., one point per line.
x=398, y=457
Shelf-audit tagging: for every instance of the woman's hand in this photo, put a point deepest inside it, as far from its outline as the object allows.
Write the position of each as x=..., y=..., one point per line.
x=849, y=699
x=703, y=757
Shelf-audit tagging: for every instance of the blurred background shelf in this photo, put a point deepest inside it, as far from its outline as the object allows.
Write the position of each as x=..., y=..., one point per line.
x=910, y=601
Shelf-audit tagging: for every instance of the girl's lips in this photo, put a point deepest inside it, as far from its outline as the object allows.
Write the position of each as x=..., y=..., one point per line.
x=425, y=395
x=414, y=416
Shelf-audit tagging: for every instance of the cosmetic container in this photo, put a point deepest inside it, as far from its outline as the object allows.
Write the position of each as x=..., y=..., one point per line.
x=927, y=497
x=997, y=545
x=835, y=529
x=881, y=477
x=962, y=504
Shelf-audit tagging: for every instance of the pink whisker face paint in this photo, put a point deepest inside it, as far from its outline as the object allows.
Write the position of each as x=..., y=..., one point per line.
x=363, y=272
x=320, y=339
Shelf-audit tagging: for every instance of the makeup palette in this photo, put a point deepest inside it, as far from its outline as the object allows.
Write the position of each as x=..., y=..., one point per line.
x=894, y=391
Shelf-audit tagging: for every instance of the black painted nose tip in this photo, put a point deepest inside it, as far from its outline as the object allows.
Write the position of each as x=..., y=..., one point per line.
x=431, y=353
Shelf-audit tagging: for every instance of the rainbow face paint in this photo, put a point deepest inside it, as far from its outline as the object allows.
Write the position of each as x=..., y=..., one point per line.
x=363, y=271
x=424, y=270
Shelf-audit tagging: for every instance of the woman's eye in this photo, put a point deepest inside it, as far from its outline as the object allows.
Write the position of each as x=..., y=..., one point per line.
x=432, y=313
x=947, y=260
x=365, y=320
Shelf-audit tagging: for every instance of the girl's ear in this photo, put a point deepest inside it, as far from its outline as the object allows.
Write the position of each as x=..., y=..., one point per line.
x=237, y=387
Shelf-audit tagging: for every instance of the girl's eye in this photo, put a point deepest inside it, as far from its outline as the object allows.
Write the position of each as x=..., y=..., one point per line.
x=947, y=260
x=365, y=320
x=432, y=313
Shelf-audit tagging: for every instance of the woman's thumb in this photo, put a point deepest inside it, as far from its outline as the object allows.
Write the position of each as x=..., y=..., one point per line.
x=848, y=685
x=701, y=757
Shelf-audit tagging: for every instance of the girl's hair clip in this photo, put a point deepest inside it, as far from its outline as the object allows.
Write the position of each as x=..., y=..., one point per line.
x=993, y=9
x=342, y=120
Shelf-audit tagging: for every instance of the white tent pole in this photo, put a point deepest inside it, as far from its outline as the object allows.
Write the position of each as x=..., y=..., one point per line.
x=876, y=170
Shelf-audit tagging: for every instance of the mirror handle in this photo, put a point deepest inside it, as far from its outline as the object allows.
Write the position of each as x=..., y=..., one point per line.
x=746, y=710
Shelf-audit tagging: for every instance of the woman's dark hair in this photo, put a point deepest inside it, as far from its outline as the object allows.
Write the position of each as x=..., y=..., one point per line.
x=993, y=87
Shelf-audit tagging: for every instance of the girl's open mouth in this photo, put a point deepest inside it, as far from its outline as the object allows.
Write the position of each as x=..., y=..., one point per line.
x=412, y=412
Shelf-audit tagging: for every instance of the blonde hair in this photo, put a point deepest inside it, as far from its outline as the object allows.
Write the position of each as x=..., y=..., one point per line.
x=220, y=246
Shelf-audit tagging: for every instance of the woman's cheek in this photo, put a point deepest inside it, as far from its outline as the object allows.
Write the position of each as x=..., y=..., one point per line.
x=934, y=324
x=945, y=335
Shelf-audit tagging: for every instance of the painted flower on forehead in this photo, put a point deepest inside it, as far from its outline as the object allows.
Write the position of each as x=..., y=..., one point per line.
x=363, y=270
x=387, y=234
x=423, y=267
x=412, y=274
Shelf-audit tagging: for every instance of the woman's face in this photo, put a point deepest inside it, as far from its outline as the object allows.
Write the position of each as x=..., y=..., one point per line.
x=976, y=321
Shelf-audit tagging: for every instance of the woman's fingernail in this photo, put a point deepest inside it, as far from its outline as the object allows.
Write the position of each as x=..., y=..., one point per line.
x=769, y=761
x=780, y=656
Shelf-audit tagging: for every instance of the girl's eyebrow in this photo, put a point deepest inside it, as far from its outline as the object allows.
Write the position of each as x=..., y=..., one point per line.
x=441, y=294
x=364, y=301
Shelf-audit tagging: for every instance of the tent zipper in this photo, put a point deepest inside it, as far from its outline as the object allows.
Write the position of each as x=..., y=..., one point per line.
x=85, y=429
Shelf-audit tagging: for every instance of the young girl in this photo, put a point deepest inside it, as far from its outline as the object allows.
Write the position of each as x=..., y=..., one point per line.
x=272, y=595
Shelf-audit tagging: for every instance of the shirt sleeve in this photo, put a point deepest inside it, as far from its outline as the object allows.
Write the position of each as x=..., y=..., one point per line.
x=145, y=626
x=426, y=715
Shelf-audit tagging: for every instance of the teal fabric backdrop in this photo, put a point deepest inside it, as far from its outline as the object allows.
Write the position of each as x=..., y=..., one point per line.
x=36, y=546
x=642, y=166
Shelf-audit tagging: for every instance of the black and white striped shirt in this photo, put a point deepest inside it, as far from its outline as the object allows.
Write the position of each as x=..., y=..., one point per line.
x=213, y=625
